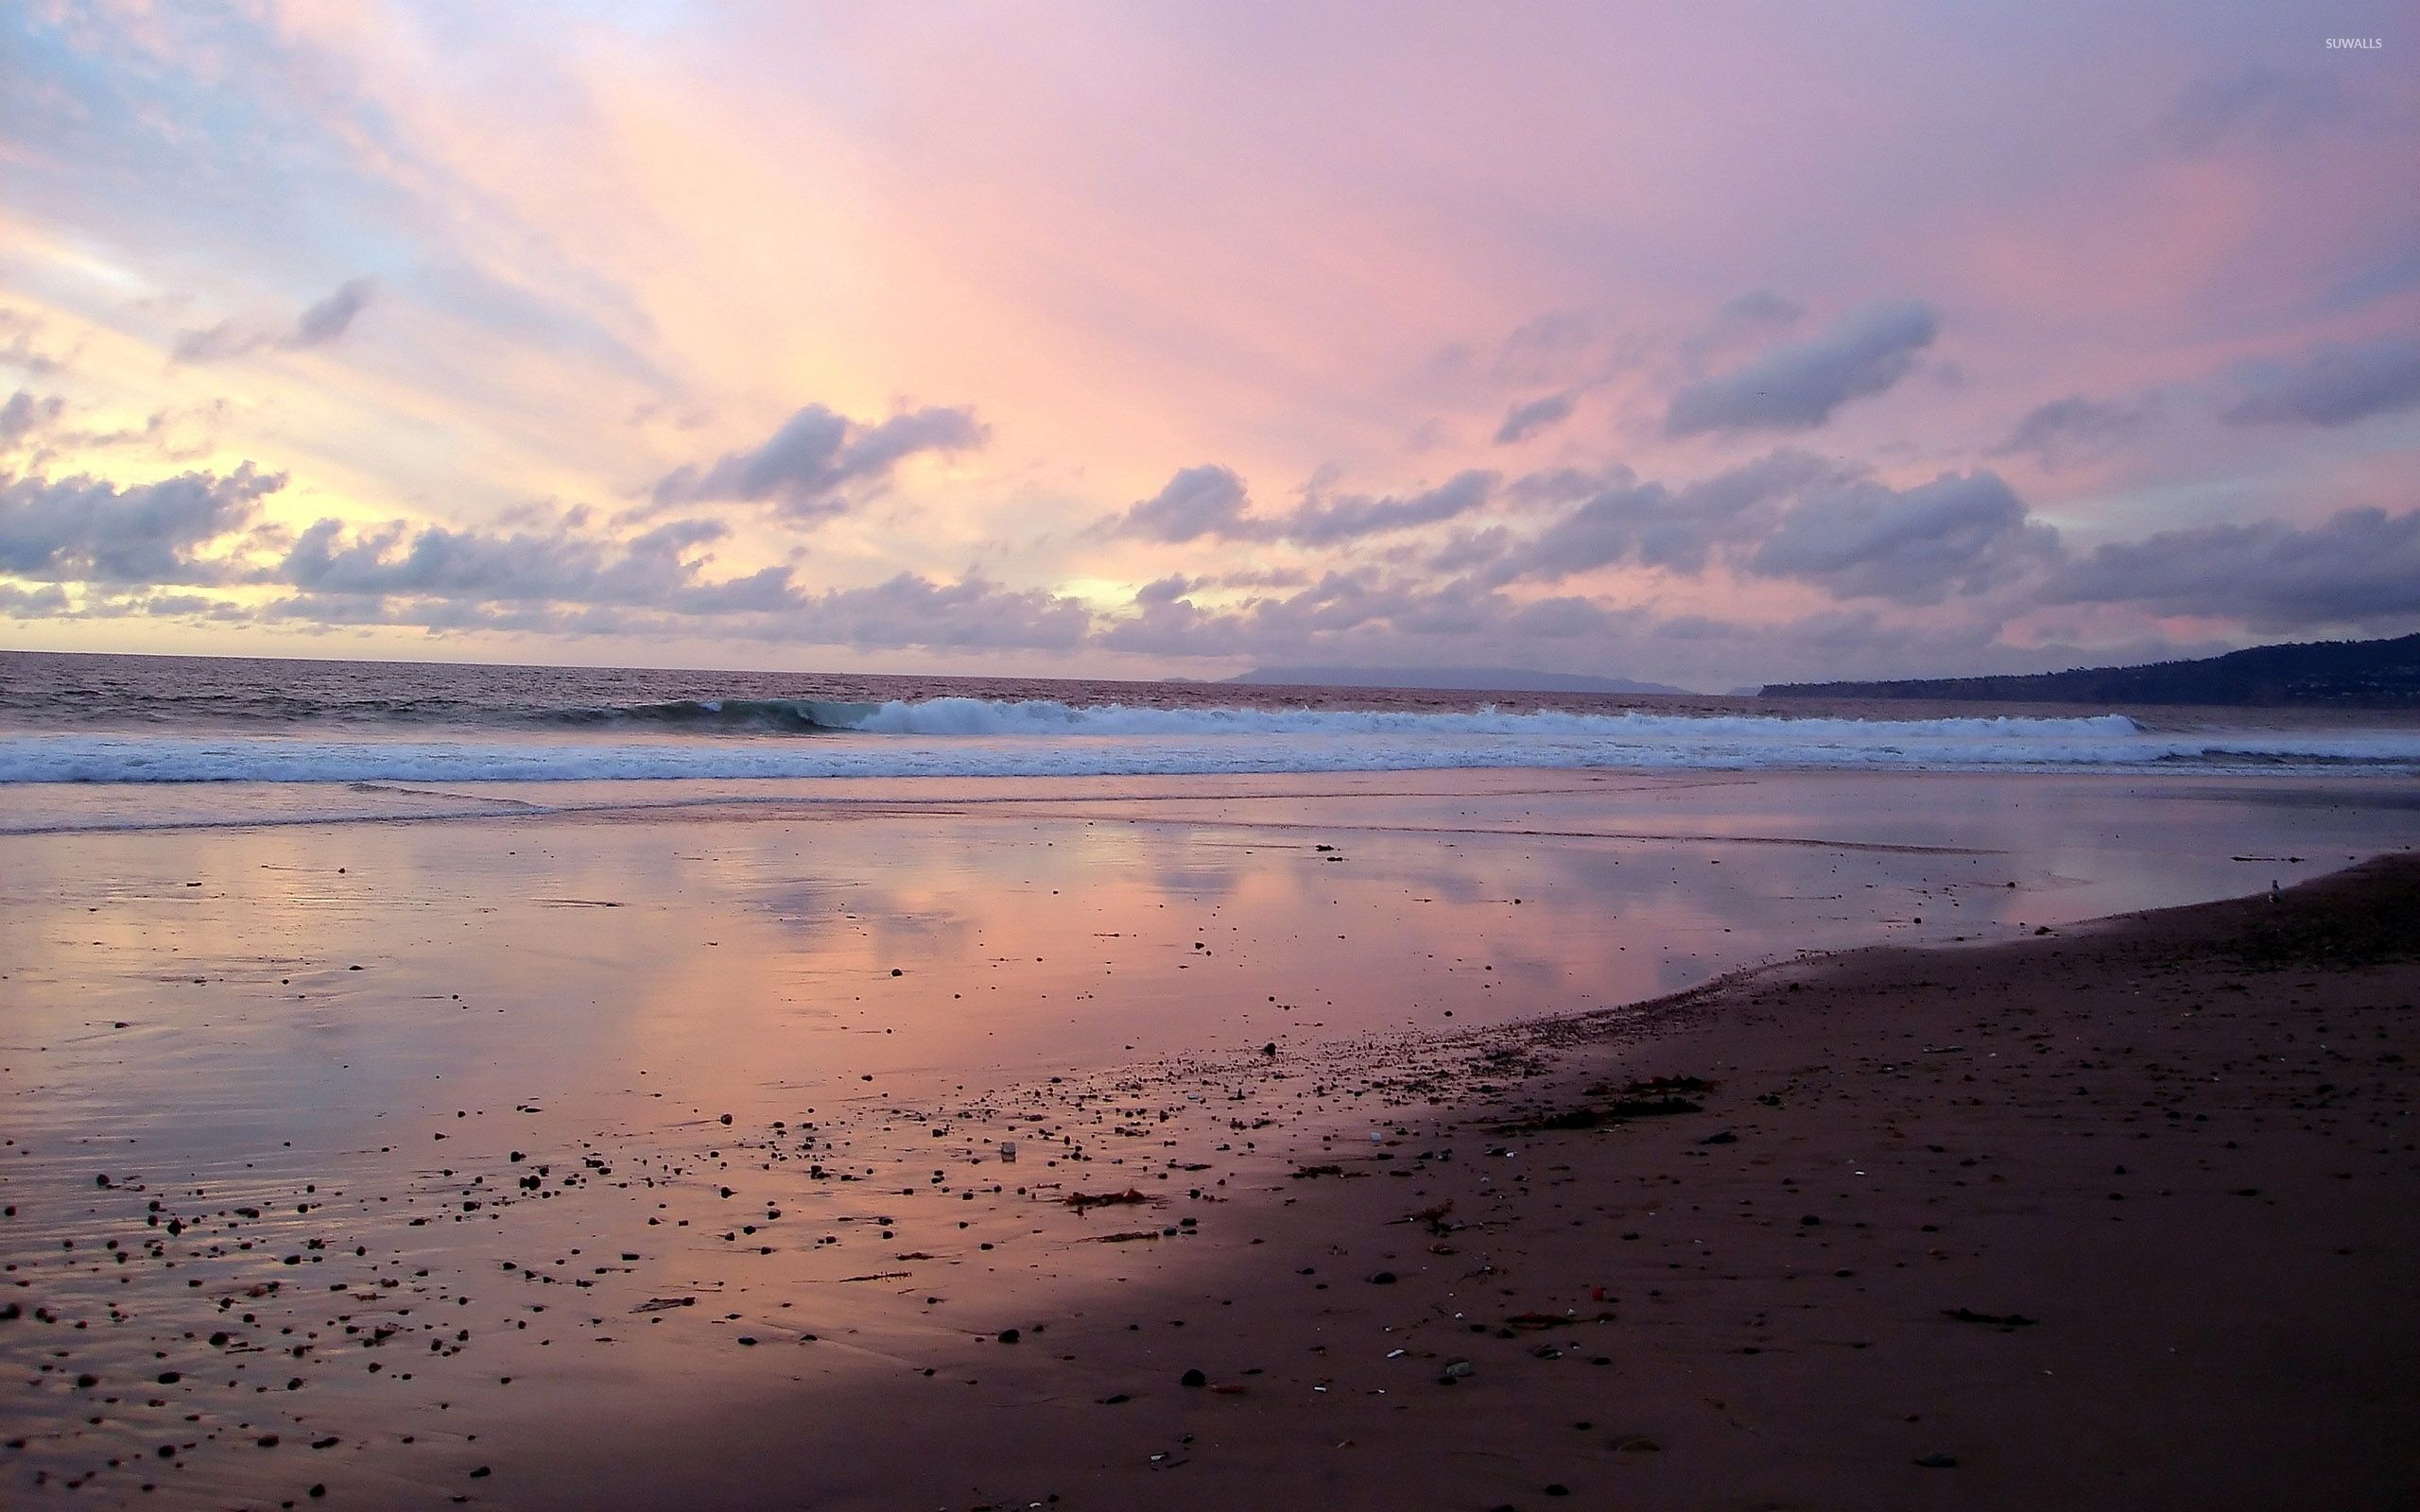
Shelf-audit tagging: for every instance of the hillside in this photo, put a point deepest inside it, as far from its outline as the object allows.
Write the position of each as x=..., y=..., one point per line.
x=2334, y=673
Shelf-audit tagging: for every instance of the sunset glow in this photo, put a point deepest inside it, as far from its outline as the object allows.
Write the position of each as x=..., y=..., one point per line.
x=1711, y=345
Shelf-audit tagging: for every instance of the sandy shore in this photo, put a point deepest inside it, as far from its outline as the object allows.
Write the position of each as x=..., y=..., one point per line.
x=2120, y=1216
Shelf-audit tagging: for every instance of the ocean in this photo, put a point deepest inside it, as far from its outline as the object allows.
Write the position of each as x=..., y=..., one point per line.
x=131, y=723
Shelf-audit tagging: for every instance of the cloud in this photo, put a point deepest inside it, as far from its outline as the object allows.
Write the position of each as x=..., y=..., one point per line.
x=561, y=581
x=17, y=349
x=2359, y=566
x=24, y=415
x=1360, y=615
x=2261, y=103
x=1761, y=308
x=1167, y=589
x=82, y=528
x=2066, y=428
x=318, y=324
x=1208, y=500
x=805, y=468
x=654, y=570
x=907, y=611
x=1622, y=519
x=2334, y=385
x=1526, y=420
x=332, y=317
x=975, y=612
x=1797, y=387
x=1326, y=523
x=1466, y=549
x=33, y=603
x=1962, y=532
x=1553, y=347
x=216, y=343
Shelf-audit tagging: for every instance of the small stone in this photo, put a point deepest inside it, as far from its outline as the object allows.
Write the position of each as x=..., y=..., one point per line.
x=1937, y=1462
x=1193, y=1378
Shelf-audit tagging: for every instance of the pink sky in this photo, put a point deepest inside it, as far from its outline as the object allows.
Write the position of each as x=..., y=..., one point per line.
x=1711, y=345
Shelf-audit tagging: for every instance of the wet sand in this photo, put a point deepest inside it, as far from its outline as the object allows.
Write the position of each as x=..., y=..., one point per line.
x=2122, y=1218
x=565, y=1241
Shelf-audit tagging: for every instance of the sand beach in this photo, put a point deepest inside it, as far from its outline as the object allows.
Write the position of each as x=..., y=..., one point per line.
x=1388, y=1140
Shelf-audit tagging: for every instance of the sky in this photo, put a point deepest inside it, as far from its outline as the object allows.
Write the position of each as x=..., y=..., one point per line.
x=1712, y=344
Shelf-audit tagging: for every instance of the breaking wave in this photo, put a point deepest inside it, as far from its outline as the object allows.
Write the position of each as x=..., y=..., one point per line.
x=976, y=737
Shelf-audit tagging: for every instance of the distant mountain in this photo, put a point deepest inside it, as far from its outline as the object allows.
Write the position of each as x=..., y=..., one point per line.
x=2336, y=674
x=1499, y=679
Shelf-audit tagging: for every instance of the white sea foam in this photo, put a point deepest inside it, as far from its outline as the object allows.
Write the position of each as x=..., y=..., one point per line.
x=1042, y=716
x=966, y=737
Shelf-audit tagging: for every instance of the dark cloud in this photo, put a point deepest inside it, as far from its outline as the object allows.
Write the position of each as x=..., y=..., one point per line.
x=82, y=528
x=2070, y=428
x=2361, y=566
x=2261, y=104
x=1211, y=501
x=1798, y=386
x=1962, y=532
x=1526, y=420
x=33, y=603
x=806, y=468
x=2334, y=385
x=320, y=324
